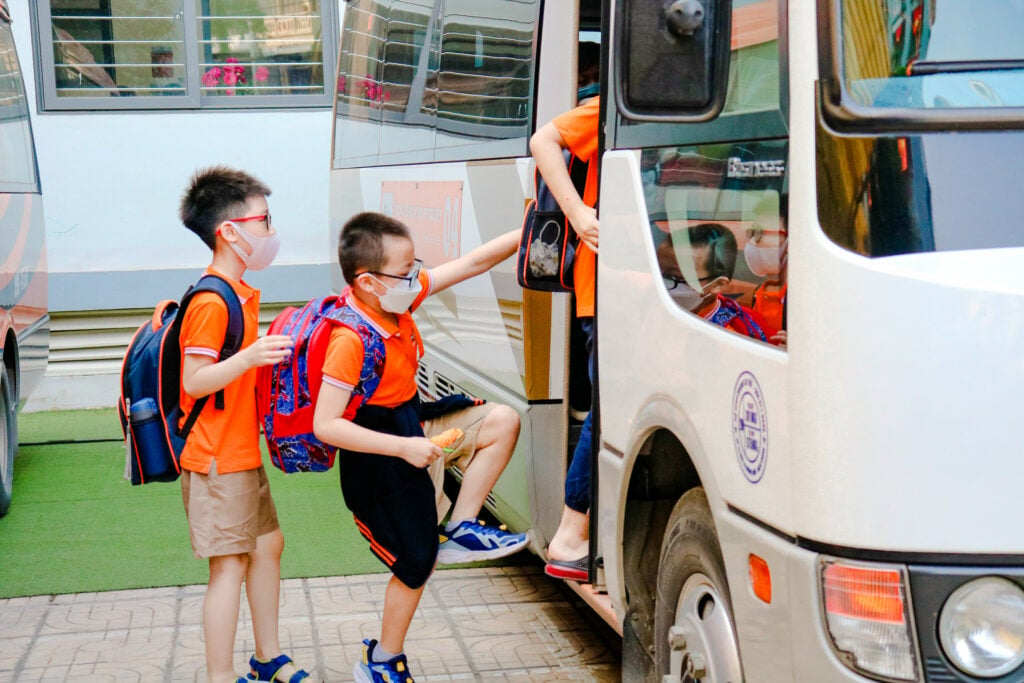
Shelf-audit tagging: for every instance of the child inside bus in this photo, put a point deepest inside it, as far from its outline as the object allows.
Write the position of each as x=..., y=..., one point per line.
x=231, y=516
x=710, y=250
x=385, y=454
x=766, y=256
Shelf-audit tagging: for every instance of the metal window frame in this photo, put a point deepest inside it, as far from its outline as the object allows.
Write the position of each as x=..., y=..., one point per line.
x=48, y=100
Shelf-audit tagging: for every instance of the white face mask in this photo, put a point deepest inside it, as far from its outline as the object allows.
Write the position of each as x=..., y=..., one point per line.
x=400, y=297
x=762, y=261
x=264, y=248
x=685, y=296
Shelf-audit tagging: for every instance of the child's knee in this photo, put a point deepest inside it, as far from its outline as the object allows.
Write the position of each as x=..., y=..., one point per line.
x=504, y=420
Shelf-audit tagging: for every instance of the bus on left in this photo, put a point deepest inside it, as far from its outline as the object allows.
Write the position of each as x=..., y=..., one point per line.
x=24, y=318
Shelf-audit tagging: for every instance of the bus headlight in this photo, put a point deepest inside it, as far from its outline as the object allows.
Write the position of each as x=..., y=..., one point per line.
x=981, y=627
x=868, y=620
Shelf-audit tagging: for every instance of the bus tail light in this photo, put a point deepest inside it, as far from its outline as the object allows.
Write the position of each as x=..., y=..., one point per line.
x=868, y=620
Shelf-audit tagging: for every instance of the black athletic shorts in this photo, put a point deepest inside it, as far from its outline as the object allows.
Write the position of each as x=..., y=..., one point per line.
x=391, y=500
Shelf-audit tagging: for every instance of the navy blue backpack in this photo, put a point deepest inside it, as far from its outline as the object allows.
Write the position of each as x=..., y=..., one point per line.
x=151, y=385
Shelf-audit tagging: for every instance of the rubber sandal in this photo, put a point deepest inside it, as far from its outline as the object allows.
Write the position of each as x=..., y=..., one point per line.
x=267, y=671
x=569, y=570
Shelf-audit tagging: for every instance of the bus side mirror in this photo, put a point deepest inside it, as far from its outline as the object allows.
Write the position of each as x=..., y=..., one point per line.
x=673, y=58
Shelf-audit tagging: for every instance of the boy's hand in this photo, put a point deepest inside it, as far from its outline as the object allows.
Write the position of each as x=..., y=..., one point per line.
x=420, y=451
x=268, y=350
x=584, y=222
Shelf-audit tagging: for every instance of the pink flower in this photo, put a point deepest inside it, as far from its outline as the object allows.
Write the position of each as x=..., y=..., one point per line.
x=262, y=74
x=230, y=78
x=212, y=77
x=342, y=83
x=229, y=91
x=231, y=60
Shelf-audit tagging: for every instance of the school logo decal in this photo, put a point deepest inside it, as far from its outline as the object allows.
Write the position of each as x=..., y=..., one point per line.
x=750, y=427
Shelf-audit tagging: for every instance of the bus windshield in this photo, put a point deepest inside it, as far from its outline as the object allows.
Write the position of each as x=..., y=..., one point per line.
x=933, y=54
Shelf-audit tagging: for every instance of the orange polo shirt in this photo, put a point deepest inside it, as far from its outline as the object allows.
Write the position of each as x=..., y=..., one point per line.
x=230, y=435
x=402, y=350
x=579, y=128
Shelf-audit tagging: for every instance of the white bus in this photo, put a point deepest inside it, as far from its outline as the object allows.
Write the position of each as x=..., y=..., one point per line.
x=831, y=492
x=24, y=320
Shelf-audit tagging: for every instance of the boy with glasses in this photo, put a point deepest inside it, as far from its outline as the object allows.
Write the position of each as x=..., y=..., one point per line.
x=368, y=407
x=231, y=517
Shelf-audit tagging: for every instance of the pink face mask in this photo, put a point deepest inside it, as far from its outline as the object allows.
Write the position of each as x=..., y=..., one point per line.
x=264, y=248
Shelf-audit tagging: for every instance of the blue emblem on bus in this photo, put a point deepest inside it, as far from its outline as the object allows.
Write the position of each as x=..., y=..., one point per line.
x=750, y=427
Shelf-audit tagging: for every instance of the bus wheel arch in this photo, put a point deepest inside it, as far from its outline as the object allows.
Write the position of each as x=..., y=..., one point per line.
x=661, y=473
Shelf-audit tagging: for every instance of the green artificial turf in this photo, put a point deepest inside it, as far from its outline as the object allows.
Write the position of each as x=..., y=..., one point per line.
x=76, y=525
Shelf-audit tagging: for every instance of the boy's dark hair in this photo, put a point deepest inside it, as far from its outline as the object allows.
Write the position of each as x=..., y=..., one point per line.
x=213, y=195
x=588, y=63
x=361, y=242
x=721, y=253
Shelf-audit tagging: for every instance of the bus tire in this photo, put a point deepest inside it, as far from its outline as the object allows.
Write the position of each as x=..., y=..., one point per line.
x=693, y=622
x=8, y=439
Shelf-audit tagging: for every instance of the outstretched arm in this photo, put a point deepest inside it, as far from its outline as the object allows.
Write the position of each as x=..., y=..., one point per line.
x=478, y=261
x=546, y=145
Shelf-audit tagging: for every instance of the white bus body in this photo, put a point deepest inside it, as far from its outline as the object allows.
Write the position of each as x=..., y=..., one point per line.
x=837, y=507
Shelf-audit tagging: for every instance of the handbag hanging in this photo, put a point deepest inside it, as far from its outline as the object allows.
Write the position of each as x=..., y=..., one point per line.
x=547, y=246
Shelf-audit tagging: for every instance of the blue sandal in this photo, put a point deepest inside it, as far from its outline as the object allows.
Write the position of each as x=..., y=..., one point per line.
x=267, y=671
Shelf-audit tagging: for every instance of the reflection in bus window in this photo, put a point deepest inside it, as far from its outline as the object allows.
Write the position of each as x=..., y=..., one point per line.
x=17, y=165
x=719, y=232
x=444, y=85
x=934, y=54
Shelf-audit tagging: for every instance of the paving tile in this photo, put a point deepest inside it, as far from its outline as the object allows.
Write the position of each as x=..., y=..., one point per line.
x=22, y=616
x=11, y=652
x=105, y=615
x=492, y=588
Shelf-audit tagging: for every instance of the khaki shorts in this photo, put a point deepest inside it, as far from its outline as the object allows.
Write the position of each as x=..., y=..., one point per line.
x=469, y=420
x=227, y=512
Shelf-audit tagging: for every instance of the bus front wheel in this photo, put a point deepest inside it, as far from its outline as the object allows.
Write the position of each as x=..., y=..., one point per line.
x=8, y=439
x=694, y=635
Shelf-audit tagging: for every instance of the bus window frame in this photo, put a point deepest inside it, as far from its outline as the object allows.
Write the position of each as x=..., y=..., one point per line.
x=842, y=115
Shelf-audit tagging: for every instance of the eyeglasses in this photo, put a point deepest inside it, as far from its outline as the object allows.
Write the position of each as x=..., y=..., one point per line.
x=672, y=282
x=417, y=266
x=244, y=219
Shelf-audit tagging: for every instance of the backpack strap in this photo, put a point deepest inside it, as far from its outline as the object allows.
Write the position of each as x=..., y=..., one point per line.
x=373, y=356
x=233, y=335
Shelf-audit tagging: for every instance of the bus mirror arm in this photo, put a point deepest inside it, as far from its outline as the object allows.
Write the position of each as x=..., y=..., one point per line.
x=683, y=18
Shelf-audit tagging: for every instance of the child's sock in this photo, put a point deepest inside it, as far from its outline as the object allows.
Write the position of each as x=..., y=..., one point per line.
x=381, y=655
x=452, y=525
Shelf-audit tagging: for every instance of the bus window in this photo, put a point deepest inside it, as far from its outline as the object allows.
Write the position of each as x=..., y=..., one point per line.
x=445, y=84
x=17, y=162
x=719, y=233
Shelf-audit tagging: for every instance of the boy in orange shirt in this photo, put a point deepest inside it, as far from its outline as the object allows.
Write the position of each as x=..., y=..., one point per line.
x=231, y=516
x=385, y=453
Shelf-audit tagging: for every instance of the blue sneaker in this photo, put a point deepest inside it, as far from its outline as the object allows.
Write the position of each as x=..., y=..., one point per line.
x=395, y=670
x=472, y=541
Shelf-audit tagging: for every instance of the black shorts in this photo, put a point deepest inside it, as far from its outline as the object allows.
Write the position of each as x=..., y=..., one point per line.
x=392, y=501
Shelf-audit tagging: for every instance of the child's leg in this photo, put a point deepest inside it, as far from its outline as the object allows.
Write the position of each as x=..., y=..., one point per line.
x=263, y=589
x=220, y=615
x=495, y=443
x=400, y=604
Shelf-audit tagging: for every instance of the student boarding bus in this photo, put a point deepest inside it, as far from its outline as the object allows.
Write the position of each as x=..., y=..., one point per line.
x=24, y=321
x=817, y=484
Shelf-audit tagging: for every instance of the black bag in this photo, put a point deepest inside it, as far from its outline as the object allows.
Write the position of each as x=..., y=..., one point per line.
x=547, y=246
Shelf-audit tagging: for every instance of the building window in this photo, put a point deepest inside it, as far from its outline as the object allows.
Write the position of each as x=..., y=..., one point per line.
x=165, y=54
x=17, y=159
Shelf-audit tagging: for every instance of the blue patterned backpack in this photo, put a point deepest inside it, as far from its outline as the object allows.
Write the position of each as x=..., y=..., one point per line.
x=286, y=393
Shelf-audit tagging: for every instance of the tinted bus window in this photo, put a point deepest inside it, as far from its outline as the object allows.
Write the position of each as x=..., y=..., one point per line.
x=417, y=84
x=17, y=162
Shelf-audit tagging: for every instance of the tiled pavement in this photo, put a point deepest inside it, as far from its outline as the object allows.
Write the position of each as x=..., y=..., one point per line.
x=493, y=624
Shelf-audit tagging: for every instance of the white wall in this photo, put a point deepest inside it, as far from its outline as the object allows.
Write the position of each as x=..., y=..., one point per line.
x=111, y=184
